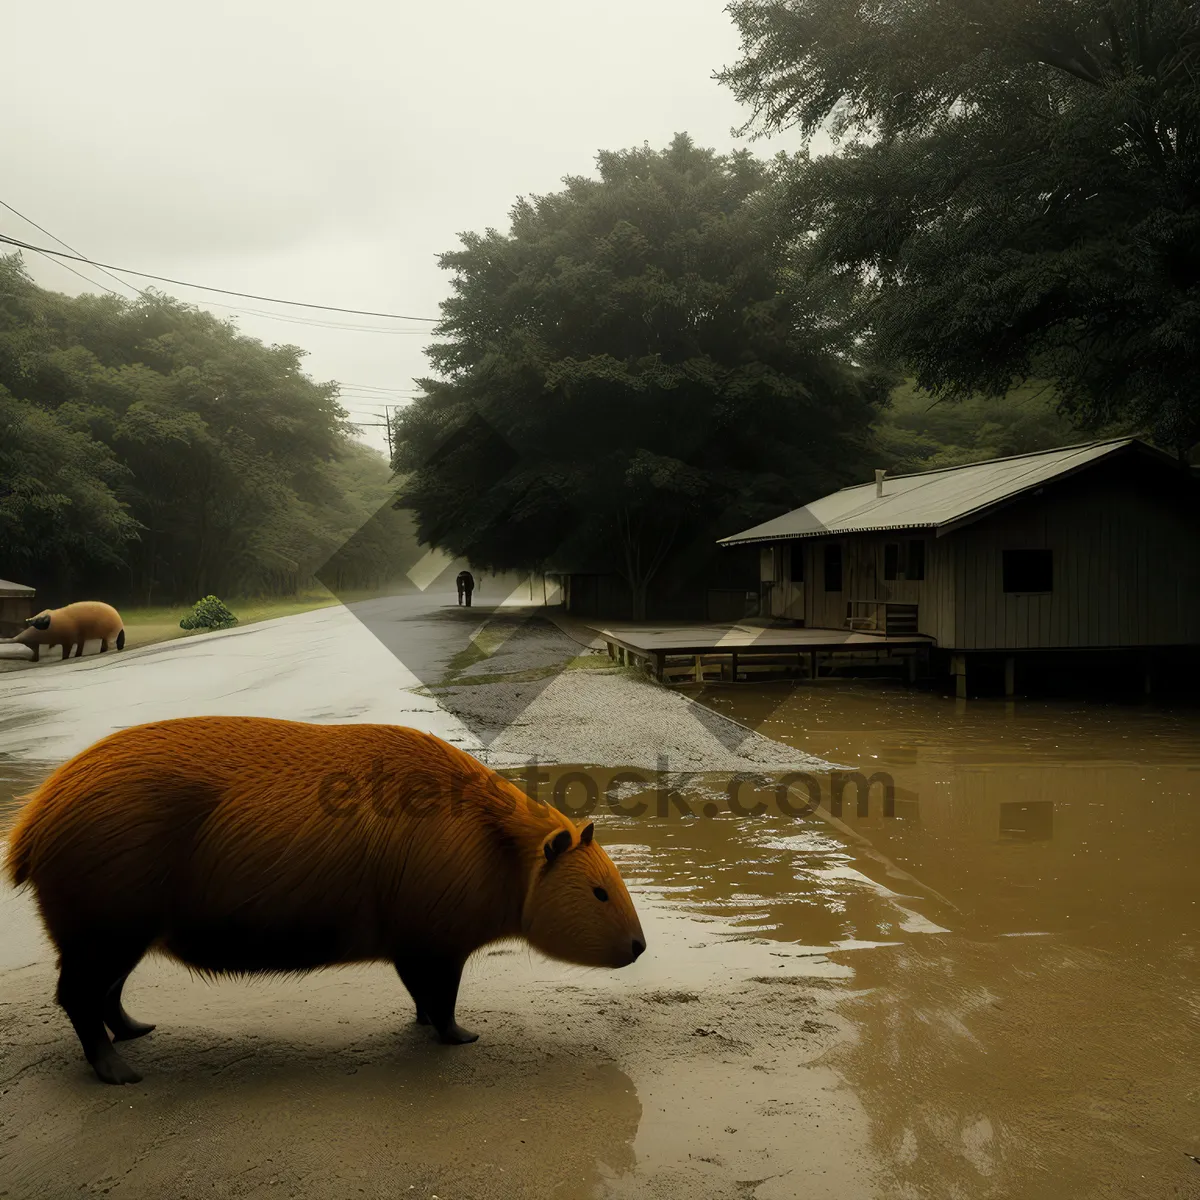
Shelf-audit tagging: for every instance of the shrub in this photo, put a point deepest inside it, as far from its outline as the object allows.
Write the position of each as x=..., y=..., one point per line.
x=209, y=613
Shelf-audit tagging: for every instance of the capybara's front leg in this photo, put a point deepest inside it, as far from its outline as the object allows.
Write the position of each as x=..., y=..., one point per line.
x=36, y=653
x=79, y=650
x=405, y=972
x=84, y=981
x=66, y=652
x=122, y=1025
x=103, y=645
x=433, y=983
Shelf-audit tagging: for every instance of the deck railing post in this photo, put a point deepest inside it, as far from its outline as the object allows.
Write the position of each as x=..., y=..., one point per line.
x=958, y=668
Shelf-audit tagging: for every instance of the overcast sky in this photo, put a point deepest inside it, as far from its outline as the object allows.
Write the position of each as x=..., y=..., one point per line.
x=328, y=151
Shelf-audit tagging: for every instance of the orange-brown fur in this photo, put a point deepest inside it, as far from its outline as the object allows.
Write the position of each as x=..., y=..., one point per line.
x=73, y=625
x=239, y=844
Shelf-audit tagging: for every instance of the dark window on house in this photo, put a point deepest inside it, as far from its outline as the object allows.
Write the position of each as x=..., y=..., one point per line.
x=796, y=565
x=833, y=567
x=1028, y=571
x=899, y=566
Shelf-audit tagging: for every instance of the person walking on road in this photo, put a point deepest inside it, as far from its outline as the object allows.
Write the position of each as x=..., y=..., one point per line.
x=466, y=585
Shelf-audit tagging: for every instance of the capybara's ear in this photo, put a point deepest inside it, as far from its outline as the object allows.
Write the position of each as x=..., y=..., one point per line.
x=585, y=838
x=558, y=844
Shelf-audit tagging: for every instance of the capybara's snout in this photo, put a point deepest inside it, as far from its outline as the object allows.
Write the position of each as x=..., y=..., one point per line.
x=634, y=951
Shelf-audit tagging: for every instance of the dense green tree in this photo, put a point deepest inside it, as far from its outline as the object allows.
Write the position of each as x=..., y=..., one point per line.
x=625, y=373
x=152, y=437
x=917, y=432
x=58, y=501
x=1020, y=191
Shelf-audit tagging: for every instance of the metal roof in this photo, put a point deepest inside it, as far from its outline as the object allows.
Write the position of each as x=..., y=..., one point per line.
x=939, y=500
x=8, y=588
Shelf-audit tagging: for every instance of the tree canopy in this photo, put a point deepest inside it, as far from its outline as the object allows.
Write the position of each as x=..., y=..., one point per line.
x=152, y=446
x=1020, y=192
x=916, y=432
x=633, y=368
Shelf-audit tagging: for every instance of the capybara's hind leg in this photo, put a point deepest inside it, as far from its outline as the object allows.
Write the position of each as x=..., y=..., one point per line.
x=79, y=650
x=87, y=973
x=122, y=1025
x=433, y=983
x=103, y=645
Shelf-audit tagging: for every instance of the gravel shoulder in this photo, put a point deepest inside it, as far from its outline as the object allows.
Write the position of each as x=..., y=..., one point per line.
x=542, y=694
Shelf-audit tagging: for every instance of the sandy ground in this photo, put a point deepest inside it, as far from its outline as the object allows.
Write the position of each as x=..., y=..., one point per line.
x=695, y=1072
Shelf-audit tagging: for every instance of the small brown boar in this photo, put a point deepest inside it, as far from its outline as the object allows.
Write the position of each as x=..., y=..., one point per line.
x=73, y=625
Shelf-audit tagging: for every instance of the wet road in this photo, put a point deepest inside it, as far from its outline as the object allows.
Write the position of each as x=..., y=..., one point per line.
x=358, y=664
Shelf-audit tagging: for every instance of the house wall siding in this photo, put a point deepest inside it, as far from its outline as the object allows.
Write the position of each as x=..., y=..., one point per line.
x=1126, y=563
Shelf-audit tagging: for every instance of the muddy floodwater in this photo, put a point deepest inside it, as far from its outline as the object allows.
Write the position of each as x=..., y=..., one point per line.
x=979, y=980
x=1048, y=1043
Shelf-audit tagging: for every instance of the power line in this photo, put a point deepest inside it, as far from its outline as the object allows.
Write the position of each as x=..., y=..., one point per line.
x=357, y=312
x=372, y=402
x=42, y=229
x=315, y=322
x=82, y=276
x=374, y=387
x=257, y=312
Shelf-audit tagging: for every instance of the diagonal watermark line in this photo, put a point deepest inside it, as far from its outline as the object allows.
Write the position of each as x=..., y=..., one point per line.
x=428, y=569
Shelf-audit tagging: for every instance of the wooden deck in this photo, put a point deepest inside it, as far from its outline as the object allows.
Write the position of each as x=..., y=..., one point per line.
x=698, y=652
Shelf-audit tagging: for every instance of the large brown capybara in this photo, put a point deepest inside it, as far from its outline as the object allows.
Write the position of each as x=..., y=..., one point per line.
x=242, y=844
x=72, y=625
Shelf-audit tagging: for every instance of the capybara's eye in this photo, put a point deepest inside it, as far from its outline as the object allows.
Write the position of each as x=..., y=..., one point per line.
x=600, y=893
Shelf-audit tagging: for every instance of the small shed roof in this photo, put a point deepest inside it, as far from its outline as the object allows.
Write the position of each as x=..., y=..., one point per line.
x=941, y=500
x=8, y=588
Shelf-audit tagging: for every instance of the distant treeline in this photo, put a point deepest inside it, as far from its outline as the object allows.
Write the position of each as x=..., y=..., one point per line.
x=917, y=432
x=152, y=453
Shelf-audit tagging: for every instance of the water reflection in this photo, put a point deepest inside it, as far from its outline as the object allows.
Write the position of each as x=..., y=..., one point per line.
x=1043, y=1045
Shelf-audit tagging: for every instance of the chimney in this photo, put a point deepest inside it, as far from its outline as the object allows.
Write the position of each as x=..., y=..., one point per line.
x=879, y=484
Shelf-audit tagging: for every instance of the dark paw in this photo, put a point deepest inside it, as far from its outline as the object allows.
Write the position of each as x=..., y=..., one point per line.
x=112, y=1068
x=130, y=1030
x=456, y=1035
x=422, y=1019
